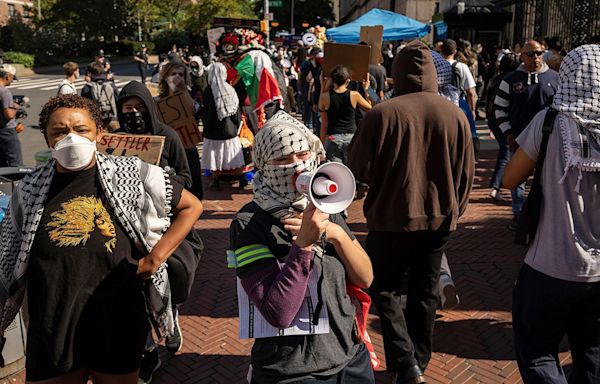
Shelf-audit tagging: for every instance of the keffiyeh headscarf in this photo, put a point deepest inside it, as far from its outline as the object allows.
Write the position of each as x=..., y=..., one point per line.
x=578, y=101
x=274, y=188
x=226, y=100
x=443, y=69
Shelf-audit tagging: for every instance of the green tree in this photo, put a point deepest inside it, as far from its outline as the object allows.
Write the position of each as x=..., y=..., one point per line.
x=198, y=16
x=314, y=12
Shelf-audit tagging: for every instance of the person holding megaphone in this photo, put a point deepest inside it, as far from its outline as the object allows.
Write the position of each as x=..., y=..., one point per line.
x=293, y=259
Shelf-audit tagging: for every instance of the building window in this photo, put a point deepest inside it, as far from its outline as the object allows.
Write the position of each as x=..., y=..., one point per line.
x=26, y=12
x=11, y=10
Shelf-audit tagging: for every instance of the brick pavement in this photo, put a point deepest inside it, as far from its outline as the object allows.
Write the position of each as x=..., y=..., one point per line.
x=472, y=344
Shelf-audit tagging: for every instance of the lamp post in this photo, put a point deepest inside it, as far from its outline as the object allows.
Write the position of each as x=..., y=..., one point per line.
x=266, y=6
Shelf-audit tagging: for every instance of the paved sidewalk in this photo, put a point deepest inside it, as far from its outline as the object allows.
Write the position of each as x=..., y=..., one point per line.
x=472, y=344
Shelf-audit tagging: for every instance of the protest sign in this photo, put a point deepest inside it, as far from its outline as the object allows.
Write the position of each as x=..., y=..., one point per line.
x=353, y=56
x=213, y=37
x=176, y=111
x=374, y=37
x=146, y=147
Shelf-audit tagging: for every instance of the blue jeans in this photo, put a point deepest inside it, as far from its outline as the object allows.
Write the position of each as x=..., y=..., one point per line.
x=545, y=309
x=501, y=161
x=336, y=147
x=307, y=113
x=517, y=194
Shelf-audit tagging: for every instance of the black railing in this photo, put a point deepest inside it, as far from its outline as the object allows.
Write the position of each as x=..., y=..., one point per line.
x=574, y=21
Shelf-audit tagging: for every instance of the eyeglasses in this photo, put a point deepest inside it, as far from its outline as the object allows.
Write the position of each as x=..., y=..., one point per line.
x=534, y=53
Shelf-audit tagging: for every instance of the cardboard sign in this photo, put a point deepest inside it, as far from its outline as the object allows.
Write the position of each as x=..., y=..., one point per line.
x=374, y=37
x=146, y=147
x=177, y=112
x=213, y=36
x=353, y=56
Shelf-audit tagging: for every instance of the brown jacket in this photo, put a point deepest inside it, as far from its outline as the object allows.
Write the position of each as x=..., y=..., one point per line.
x=415, y=152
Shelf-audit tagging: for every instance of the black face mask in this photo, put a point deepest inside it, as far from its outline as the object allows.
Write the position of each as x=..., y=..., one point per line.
x=137, y=123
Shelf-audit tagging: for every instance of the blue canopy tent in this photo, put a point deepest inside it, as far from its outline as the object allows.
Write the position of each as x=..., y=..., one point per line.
x=395, y=27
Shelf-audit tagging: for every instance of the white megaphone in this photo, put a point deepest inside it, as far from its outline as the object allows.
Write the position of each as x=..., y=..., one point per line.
x=330, y=188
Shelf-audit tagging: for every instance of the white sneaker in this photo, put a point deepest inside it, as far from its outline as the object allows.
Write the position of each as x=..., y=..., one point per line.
x=447, y=293
x=497, y=196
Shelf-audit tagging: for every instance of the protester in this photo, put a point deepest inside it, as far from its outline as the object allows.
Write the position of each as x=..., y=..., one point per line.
x=463, y=78
x=337, y=107
x=67, y=86
x=402, y=148
x=276, y=253
x=141, y=58
x=10, y=146
x=521, y=95
x=94, y=228
x=558, y=289
x=508, y=64
x=104, y=93
x=175, y=78
x=222, y=149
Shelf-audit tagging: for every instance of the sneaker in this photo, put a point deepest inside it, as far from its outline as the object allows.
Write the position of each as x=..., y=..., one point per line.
x=150, y=364
x=447, y=292
x=174, y=342
x=497, y=196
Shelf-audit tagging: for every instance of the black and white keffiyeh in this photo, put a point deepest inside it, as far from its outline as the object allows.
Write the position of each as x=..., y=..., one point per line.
x=140, y=195
x=578, y=101
x=274, y=189
x=226, y=100
x=444, y=73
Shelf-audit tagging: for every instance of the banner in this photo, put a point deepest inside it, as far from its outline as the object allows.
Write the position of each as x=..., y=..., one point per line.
x=147, y=147
x=352, y=56
x=177, y=112
x=374, y=37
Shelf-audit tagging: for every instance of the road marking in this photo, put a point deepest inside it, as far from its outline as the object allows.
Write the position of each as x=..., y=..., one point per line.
x=37, y=81
x=56, y=85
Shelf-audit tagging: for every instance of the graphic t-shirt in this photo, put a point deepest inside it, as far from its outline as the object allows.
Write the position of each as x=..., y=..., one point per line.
x=81, y=260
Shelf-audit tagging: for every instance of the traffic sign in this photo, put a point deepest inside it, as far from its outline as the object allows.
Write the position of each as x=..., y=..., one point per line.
x=275, y=3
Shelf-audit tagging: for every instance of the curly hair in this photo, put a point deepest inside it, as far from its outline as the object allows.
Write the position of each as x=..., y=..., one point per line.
x=69, y=101
x=163, y=86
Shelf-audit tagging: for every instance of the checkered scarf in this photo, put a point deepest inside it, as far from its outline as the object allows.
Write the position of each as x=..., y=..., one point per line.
x=578, y=101
x=274, y=189
x=443, y=69
x=226, y=100
x=140, y=196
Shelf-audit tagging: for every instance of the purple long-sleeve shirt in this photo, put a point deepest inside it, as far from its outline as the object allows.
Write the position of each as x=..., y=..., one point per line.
x=277, y=292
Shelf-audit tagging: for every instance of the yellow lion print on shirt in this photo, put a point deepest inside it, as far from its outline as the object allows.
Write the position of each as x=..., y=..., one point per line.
x=73, y=224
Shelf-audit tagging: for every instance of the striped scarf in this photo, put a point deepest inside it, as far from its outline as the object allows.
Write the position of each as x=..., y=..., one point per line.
x=140, y=196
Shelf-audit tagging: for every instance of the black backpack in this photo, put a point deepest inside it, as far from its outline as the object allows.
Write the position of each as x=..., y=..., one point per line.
x=457, y=80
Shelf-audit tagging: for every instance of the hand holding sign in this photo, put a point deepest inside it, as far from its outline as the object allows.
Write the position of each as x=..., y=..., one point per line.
x=177, y=112
x=146, y=147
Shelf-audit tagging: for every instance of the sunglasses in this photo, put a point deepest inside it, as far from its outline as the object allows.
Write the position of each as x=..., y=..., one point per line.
x=534, y=53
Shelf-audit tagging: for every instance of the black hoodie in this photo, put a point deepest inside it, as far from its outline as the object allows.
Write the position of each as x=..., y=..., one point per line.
x=173, y=154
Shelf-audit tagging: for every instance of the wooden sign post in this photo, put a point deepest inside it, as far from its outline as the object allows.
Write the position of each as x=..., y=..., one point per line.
x=374, y=37
x=177, y=112
x=146, y=147
x=353, y=56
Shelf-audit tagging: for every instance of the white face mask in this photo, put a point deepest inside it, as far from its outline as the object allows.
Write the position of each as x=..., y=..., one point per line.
x=74, y=152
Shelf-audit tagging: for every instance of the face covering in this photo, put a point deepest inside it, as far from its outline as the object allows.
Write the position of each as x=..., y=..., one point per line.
x=195, y=71
x=175, y=82
x=74, y=152
x=282, y=178
x=137, y=123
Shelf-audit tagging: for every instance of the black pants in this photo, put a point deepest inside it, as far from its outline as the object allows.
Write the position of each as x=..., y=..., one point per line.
x=196, y=172
x=544, y=310
x=142, y=69
x=10, y=148
x=407, y=336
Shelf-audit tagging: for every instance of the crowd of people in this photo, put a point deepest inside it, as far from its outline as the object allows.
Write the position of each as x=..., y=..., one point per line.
x=123, y=230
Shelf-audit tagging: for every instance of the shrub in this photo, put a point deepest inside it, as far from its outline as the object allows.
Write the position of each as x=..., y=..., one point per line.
x=19, y=58
x=163, y=40
x=135, y=46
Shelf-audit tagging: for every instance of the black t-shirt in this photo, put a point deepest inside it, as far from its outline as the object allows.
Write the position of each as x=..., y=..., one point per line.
x=144, y=56
x=81, y=258
x=379, y=73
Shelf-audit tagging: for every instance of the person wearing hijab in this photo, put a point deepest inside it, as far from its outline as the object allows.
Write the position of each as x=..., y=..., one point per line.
x=558, y=289
x=222, y=149
x=280, y=244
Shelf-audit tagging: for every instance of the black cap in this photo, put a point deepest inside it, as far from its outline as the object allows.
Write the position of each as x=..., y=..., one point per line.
x=100, y=53
x=143, y=45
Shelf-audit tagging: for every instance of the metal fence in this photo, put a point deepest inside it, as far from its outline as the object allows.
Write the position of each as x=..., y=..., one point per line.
x=574, y=21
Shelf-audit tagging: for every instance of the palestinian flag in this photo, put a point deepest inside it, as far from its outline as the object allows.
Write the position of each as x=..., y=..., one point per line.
x=256, y=71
